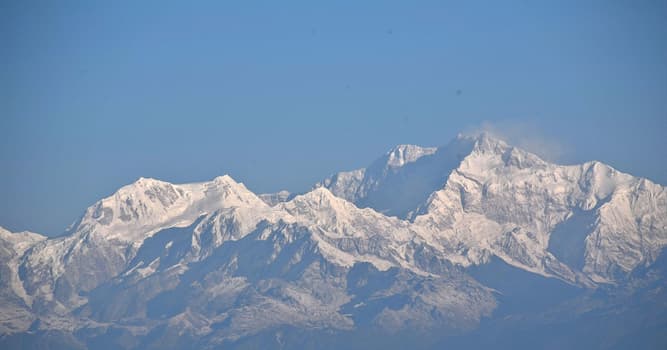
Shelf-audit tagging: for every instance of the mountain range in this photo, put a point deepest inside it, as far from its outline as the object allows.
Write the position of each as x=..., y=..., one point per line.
x=473, y=244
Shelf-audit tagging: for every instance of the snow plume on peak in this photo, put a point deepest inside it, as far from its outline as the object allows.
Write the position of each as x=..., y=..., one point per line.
x=485, y=142
x=492, y=154
x=489, y=144
x=524, y=135
x=521, y=200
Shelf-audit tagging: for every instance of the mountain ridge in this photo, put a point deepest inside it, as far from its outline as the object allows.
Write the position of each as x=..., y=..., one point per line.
x=390, y=247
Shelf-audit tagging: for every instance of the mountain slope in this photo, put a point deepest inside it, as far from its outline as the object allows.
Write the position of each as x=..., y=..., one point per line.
x=108, y=235
x=507, y=202
x=424, y=242
x=16, y=303
x=480, y=197
x=400, y=180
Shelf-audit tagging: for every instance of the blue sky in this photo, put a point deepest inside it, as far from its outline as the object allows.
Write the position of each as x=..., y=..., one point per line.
x=280, y=94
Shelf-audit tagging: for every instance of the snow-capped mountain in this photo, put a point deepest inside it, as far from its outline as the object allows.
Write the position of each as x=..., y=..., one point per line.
x=399, y=181
x=503, y=201
x=13, y=297
x=400, y=246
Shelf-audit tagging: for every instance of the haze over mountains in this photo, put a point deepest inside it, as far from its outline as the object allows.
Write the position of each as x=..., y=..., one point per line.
x=476, y=243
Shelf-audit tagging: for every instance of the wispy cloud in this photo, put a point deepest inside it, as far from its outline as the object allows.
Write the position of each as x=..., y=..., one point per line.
x=525, y=135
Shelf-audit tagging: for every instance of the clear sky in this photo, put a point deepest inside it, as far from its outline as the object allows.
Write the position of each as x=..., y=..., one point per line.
x=280, y=94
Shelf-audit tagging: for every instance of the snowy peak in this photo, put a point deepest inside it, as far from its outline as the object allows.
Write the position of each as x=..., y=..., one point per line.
x=346, y=234
x=487, y=143
x=319, y=199
x=319, y=195
x=144, y=202
x=601, y=180
x=481, y=193
x=140, y=208
x=489, y=153
x=20, y=241
x=395, y=241
x=504, y=191
x=355, y=184
x=404, y=154
x=347, y=184
x=401, y=180
x=322, y=208
x=224, y=192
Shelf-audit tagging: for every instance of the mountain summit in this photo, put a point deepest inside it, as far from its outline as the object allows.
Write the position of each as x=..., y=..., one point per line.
x=425, y=241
